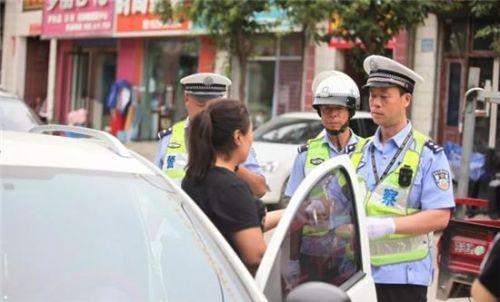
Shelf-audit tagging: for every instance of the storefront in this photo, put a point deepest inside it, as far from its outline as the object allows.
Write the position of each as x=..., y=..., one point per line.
x=169, y=52
x=467, y=61
x=86, y=57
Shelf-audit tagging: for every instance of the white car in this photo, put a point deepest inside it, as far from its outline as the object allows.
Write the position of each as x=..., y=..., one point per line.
x=15, y=115
x=276, y=142
x=85, y=219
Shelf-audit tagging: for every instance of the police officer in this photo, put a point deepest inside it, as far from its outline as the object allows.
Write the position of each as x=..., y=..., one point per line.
x=408, y=183
x=171, y=156
x=336, y=97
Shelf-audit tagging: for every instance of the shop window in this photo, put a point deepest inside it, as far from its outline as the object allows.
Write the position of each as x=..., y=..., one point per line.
x=455, y=32
x=167, y=61
x=481, y=43
x=454, y=80
x=291, y=45
x=260, y=85
x=274, y=76
x=265, y=46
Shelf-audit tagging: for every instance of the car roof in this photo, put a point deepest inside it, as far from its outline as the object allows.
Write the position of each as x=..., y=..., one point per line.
x=312, y=115
x=43, y=150
x=7, y=95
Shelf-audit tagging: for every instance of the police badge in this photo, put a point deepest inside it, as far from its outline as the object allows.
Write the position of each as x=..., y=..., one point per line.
x=441, y=179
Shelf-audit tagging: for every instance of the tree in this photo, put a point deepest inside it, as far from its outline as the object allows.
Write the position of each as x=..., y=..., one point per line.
x=231, y=23
x=478, y=9
x=307, y=15
x=369, y=25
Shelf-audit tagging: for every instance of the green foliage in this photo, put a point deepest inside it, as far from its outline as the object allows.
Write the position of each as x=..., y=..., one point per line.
x=371, y=24
x=231, y=23
x=306, y=15
x=478, y=9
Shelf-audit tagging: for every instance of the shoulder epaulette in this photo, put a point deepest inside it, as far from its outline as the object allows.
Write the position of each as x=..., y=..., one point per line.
x=302, y=148
x=164, y=133
x=435, y=148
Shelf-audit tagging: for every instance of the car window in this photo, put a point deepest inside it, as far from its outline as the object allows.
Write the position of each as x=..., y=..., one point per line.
x=364, y=127
x=16, y=116
x=288, y=131
x=70, y=235
x=322, y=243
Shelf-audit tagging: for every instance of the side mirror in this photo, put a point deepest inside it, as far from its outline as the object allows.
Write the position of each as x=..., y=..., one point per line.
x=318, y=292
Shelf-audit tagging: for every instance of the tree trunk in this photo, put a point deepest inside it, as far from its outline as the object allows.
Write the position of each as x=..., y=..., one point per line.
x=242, y=60
x=303, y=86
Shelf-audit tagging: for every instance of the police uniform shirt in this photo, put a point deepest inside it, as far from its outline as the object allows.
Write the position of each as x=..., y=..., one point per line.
x=298, y=170
x=432, y=189
x=251, y=162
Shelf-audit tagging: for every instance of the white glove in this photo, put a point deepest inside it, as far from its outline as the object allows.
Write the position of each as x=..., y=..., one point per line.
x=379, y=227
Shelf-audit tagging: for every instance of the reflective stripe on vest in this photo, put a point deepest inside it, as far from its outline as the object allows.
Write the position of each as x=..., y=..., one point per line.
x=388, y=199
x=317, y=153
x=176, y=155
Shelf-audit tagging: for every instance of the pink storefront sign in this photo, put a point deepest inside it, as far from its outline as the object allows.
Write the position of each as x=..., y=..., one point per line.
x=77, y=18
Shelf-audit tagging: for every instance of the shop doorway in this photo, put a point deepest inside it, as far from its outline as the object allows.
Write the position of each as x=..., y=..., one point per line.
x=167, y=61
x=37, y=66
x=93, y=71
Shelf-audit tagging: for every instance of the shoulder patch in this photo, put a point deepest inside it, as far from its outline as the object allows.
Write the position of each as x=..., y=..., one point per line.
x=435, y=148
x=302, y=148
x=164, y=133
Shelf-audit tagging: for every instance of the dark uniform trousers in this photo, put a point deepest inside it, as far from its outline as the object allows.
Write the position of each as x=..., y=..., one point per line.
x=401, y=293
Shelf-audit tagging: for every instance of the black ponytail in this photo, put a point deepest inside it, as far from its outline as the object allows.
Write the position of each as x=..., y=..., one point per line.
x=211, y=131
x=200, y=148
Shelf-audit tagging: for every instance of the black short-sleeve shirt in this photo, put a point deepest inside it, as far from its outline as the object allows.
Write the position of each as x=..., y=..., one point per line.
x=490, y=273
x=226, y=200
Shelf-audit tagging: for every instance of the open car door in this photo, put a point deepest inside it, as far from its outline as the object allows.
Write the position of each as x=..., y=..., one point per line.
x=319, y=250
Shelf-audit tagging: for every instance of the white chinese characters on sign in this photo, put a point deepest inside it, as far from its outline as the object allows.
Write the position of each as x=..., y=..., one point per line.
x=70, y=4
x=127, y=7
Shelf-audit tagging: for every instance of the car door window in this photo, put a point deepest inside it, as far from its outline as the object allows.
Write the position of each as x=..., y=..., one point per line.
x=322, y=243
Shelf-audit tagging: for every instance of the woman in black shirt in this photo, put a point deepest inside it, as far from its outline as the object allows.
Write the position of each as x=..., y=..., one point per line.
x=486, y=288
x=219, y=140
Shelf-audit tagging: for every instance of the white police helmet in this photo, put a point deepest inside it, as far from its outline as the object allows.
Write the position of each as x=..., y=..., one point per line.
x=335, y=88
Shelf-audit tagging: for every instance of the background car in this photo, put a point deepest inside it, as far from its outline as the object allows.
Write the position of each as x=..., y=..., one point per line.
x=276, y=142
x=15, y=115
x=88, y=220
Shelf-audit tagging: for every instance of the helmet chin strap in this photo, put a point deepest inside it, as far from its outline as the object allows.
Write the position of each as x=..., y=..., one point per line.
x=341, y=130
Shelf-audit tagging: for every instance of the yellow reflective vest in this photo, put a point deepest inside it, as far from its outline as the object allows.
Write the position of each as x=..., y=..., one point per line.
x=389, y=199
x=176, y=156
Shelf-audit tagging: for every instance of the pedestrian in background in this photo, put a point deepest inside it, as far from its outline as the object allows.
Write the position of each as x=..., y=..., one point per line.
x=172, y=157
x=407, y=177
x=220, y=138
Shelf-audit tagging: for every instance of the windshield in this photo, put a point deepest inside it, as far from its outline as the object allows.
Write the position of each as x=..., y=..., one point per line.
x=288, y=131
x=71, y=235
x=16, y=116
